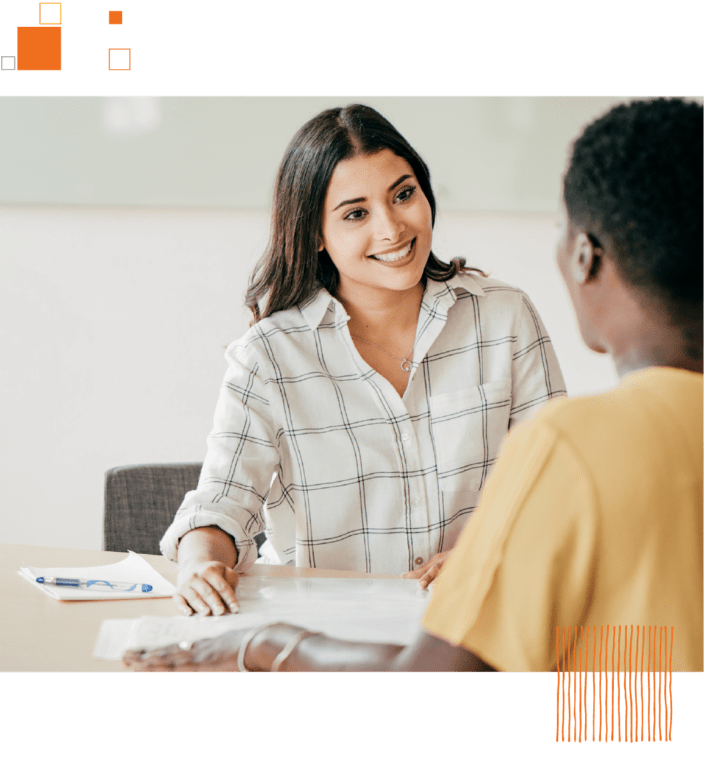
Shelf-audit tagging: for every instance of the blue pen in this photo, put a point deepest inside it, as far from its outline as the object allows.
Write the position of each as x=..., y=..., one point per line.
x=95, y=584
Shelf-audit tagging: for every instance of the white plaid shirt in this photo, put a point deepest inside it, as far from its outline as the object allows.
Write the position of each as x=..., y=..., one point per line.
x=363, y=479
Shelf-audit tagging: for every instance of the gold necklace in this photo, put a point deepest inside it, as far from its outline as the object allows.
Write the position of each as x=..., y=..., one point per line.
x=406, y=364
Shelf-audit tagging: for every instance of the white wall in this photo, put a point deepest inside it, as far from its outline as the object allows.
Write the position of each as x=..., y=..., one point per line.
x=113, y=324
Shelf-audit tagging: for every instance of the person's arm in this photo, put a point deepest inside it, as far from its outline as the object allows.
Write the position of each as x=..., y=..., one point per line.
x=206, y=579
x=213, y=530
x=209, y=543
x=320, y=653
x=312, y=653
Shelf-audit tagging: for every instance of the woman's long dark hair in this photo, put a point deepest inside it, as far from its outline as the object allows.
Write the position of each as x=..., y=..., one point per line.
x=292, y=269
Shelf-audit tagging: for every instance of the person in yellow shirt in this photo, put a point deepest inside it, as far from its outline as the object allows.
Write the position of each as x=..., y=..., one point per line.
x=593, y=514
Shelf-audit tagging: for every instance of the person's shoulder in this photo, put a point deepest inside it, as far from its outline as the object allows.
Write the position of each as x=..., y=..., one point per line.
x=470, y=281
x=489, y=292
x=678, y=388
x=620, y=416
x=483, y=285
x=269, y=336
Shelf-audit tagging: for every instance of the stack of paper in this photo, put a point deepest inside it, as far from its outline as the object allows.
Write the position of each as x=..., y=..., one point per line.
x=133, y=568
x=370, y=610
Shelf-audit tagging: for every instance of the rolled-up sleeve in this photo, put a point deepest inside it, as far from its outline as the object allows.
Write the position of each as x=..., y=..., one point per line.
x=238, y=468
x=536, y=374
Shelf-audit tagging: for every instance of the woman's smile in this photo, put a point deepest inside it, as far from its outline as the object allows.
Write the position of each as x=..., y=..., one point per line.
x=392, y=257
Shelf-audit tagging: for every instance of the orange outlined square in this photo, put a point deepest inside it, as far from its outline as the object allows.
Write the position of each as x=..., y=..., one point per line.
x=115, y=17
x=120, y=69
x=49, y=22
x=38, y=47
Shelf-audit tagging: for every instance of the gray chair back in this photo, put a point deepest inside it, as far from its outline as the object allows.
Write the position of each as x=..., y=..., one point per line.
x=140, y=503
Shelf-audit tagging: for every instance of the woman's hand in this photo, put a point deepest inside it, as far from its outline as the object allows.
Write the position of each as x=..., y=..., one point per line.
x=216, y=654
x=428, y=571
x=206, y=587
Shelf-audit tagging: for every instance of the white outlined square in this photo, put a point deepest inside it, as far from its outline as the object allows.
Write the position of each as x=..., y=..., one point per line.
x=120, y=69
x=50, y=13
x=55, y=23
x=7, y=62
x=120, y=58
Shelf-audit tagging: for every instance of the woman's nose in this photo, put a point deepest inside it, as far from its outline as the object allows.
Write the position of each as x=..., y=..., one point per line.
x=389, y=224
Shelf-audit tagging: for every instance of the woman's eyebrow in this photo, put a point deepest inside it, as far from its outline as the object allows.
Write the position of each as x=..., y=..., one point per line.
x=362, y=199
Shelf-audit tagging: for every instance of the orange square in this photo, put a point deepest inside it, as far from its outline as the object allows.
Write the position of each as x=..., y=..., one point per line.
x=115, y=17
x=38, y=47
x=49, y=22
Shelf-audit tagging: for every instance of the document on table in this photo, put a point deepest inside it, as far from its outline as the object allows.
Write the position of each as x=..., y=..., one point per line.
x=371, y=610
x=133, y=568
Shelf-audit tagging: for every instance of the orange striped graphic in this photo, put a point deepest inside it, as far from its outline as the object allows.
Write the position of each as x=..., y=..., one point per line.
x=573, y=668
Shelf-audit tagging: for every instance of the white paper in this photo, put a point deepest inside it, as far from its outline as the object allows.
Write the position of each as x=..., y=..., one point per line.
x=364, y=610
x=133, y=568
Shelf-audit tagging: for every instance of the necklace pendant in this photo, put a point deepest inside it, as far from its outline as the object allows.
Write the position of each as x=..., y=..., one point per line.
x=406, y=366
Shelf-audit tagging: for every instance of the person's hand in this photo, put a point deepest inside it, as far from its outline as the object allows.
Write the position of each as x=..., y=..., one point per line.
x=206, y=587
x=428, y=571
x=216, y=654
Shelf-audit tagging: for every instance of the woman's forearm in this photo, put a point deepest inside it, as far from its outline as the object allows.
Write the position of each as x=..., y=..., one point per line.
x=205, y=544
x=317, y=653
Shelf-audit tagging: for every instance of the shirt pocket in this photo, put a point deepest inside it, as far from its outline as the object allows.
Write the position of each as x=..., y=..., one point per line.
x=468, y=427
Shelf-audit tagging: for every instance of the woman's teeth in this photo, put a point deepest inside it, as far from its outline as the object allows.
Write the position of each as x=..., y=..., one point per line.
x=395, y=255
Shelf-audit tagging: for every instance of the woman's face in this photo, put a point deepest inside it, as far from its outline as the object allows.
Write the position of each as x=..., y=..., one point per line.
x=377, y=224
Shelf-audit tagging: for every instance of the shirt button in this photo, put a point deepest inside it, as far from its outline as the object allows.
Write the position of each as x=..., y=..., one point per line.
x=405, y=436
x=415, y=502
x=419, y=561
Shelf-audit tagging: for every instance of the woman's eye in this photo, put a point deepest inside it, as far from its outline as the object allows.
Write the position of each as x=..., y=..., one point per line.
x=405, y=194
x=359, y=213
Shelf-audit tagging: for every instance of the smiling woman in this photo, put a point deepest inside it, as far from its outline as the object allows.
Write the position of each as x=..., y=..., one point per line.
x=387, y=223
x=362, y=413
x=297, y=263
x=379, y=241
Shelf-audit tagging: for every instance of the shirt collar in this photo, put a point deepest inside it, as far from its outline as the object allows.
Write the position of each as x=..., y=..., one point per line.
x=437, y=295
x=315, y=308
x=466, y=282
x=442, y=295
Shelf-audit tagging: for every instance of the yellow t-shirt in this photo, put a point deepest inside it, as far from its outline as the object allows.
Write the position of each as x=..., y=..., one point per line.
x=592, y=517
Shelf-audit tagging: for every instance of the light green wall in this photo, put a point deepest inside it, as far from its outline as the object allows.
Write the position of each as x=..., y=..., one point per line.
x=484, y=153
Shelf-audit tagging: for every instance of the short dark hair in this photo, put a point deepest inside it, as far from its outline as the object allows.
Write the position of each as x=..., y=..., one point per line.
x=292, y=268
x=634, y=181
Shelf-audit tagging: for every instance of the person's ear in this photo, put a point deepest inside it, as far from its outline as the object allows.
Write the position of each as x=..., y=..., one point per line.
x=586, y=259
